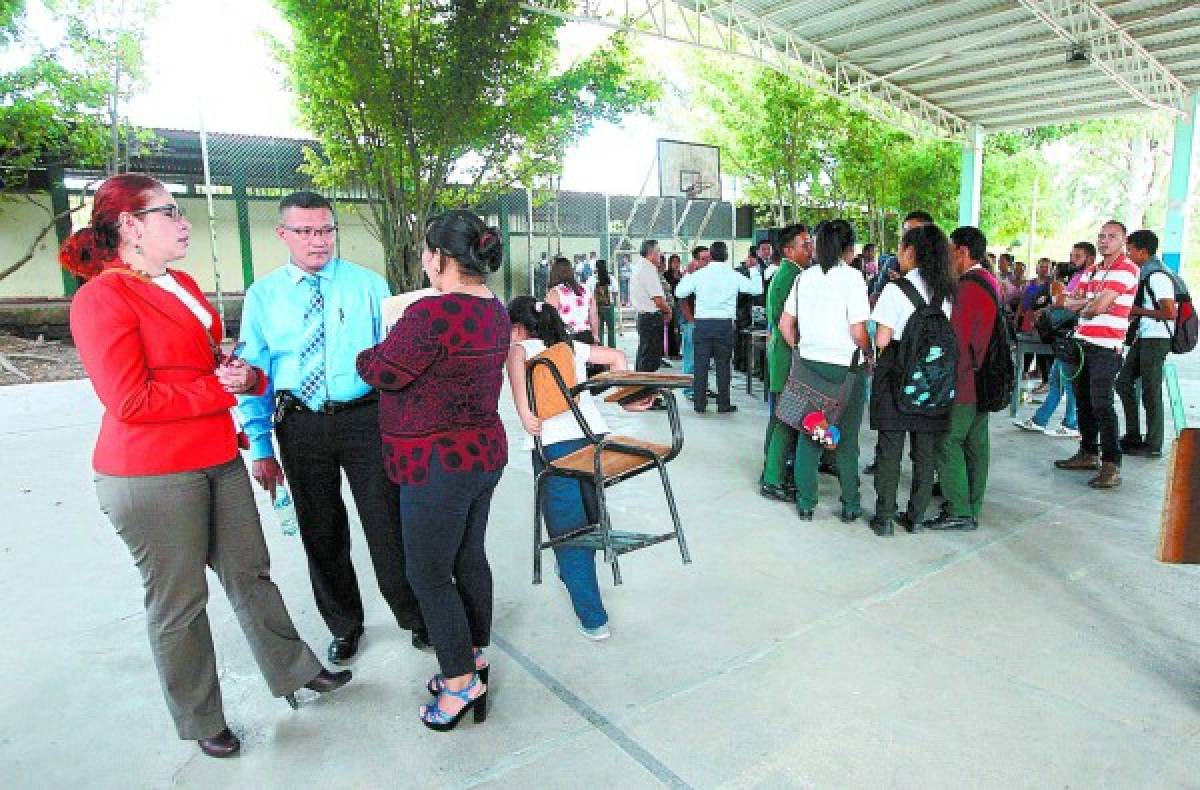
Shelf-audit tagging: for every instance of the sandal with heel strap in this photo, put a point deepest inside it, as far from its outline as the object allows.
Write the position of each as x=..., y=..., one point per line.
x=438, y=682
x=433, y=717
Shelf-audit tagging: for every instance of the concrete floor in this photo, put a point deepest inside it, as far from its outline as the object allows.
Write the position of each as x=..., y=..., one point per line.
x=1046, y=649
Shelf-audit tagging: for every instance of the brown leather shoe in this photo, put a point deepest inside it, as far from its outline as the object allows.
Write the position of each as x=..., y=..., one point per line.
x=223, y=744
x=1080, y=461
x=1109, y=477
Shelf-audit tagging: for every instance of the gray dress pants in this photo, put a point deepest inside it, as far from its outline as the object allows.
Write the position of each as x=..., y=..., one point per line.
x=175, y=525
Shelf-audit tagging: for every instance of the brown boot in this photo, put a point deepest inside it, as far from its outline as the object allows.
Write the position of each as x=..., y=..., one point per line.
x=1109, y=477
x=1080, y=461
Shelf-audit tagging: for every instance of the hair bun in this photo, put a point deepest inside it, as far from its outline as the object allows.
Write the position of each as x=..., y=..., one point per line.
x=86, y=253
x=491, y=249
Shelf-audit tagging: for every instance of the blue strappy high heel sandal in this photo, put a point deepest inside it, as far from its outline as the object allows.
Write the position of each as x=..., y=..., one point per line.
x=433, y=717
x=438, y=681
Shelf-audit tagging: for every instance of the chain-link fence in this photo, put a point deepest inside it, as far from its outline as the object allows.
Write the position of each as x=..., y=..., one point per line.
x=233, y=224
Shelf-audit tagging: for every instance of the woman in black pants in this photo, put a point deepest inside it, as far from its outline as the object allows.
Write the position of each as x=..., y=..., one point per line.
x=440, y=371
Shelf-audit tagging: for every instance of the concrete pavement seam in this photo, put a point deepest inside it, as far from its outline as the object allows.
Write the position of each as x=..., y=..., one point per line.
x=598, y=720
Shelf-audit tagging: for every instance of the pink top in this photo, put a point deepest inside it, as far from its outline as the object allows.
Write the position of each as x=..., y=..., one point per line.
x=575, y=309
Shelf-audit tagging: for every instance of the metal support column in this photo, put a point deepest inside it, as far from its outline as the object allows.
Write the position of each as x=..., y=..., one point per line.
x=972, y=177
x=1178, y=192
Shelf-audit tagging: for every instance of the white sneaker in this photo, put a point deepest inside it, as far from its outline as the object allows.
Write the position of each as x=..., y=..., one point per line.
x=597, y=634
x=1028, y=424
x=1062, y=432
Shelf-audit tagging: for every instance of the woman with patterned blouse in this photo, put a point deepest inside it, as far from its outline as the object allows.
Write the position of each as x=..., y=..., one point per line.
x=439, y=372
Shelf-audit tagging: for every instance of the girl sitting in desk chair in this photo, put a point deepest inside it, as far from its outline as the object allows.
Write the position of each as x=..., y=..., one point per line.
x=569, y=504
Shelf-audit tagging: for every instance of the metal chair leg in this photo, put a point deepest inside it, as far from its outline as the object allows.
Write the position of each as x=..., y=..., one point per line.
x=610, y=555
x=683, y=547
x=537, y=529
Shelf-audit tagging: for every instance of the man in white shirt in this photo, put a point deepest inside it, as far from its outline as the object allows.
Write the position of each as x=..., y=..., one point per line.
x=1144, y=361
x=648, y=299
x=716, y=287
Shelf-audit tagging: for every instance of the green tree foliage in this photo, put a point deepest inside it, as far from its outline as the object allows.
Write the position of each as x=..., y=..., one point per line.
x=809, y=156
x=429, y=104
x=58, y=104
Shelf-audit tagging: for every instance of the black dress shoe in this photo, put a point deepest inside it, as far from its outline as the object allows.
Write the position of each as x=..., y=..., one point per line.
x=882, y=527
x=945, y=521
x=905, y=520
x=223, y=744
x=825, y=468
x=1143, y=450
x=420, y=639
x=778, y=493
x=343, y=648
x=850, y=514
x=323, y=683
x=805, y=513
x=730, y=409
x=1129, y=443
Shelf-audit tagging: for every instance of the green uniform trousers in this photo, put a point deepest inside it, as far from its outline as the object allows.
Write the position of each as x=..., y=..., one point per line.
x=808, y=452
x=888, y=452
x=175, y=526
x=608, y=325
x=1144, y=361
x=963, y=457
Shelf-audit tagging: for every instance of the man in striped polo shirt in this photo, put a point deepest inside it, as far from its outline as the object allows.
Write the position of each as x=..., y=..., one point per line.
x=1104, y=297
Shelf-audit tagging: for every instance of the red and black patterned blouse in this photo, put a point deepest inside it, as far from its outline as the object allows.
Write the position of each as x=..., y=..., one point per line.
x=440, y=371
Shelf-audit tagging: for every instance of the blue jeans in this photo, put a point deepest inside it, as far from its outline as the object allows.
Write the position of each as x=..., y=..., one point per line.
x=689, y=359
x=566, y=510
x=1058, y=383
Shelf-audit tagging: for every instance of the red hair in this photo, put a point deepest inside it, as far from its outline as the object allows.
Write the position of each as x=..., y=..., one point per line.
x=93, y=249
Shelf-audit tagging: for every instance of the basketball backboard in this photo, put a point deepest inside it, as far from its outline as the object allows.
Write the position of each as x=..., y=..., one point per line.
x=689, y=170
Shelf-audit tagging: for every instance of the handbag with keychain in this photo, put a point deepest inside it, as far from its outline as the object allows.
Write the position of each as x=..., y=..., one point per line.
x=807, y=391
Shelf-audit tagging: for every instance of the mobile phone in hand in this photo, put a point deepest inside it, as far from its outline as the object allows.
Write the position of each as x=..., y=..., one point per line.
x=235, y=354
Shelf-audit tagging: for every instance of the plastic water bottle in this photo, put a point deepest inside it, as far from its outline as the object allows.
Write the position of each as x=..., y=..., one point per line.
x=285, y=511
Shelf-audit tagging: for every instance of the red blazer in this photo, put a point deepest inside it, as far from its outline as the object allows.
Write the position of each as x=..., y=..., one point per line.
x=152, y=366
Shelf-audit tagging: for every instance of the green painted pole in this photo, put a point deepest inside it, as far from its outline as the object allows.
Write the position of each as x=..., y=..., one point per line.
x=60, y=204
x=502, y=210
x=242, y=206
x=971, y=183
x=1179, y=188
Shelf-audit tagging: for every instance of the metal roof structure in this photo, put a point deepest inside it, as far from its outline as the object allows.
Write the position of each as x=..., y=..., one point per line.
x=939, y=67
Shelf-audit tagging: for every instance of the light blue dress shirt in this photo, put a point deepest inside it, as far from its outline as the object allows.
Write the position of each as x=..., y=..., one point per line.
x=716, y=287
x=273, y=327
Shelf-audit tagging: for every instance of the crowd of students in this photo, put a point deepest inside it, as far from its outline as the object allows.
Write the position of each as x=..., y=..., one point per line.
x=334, y=376
x=839, y=315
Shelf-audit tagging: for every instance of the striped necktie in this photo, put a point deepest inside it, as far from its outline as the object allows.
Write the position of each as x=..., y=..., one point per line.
x=313, y=391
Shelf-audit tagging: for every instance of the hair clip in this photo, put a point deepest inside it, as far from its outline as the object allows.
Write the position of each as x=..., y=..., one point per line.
x=537, y=306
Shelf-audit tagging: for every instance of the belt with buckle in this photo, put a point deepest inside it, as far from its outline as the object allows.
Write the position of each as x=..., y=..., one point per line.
x=289, y=402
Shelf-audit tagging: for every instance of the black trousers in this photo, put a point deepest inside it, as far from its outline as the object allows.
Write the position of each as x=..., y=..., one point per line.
x=1094, y=387
x=889, y=449
x=712, y=340
x=315, y=449
x=674, y=336
x=650, y=342
x=445, y=522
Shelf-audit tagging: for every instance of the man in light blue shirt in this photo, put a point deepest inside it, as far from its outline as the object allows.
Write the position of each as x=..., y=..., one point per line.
x=304, y=324
x=716, y=288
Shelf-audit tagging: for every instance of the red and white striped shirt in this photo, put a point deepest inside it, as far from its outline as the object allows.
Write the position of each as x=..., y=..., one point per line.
x=1108, y=328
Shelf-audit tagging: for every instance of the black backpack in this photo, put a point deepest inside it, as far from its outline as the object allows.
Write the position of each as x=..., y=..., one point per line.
x=926, y=359
x=1186, y=325
x=996, y=373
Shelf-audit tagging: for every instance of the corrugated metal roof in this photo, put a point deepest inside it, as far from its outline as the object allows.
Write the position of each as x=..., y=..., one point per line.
x=998, y=63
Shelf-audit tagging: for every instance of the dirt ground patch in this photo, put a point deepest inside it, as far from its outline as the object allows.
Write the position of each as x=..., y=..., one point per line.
x=38, y=360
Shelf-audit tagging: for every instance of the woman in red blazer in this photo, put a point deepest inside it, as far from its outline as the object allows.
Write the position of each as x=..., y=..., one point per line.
x=168, y=473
